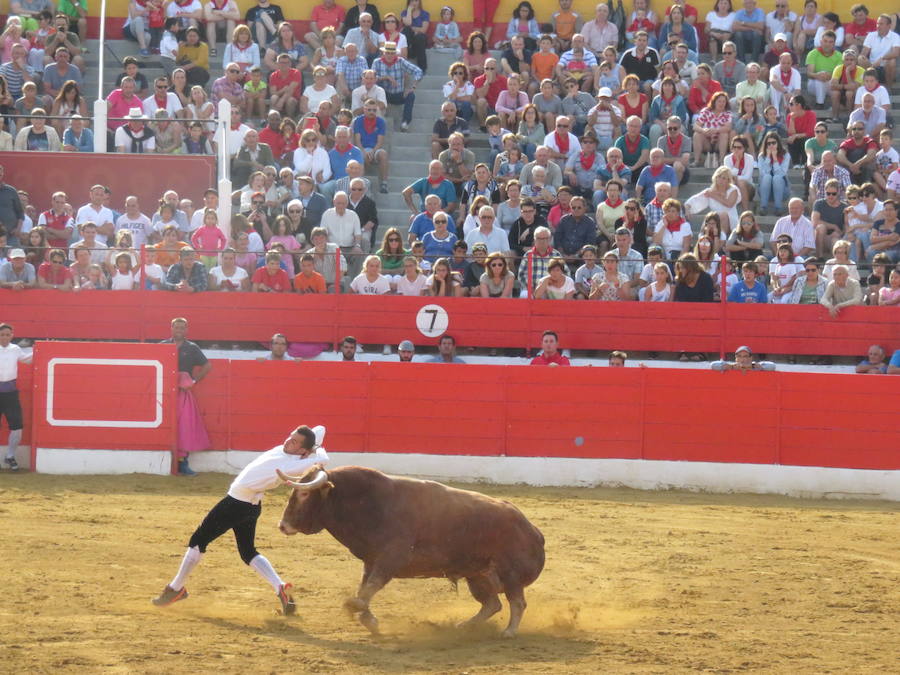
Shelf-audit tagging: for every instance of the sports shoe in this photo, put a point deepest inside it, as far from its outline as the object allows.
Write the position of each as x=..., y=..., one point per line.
x=146, y=52
x=404, y=126
x=11, y=463
x=287, y=600
x=184, y=469
x=169, y=596
x=384, y=187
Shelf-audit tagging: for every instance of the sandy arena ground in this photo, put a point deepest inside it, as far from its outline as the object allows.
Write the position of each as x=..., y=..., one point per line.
x=635, y=582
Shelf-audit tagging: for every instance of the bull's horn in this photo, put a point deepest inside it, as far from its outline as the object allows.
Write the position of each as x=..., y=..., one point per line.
x=318, y=481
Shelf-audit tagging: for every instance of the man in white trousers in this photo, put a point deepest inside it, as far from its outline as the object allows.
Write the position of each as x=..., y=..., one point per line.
x=240, y=508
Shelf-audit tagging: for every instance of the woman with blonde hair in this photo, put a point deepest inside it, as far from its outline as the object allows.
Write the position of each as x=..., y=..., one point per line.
x=724, y=196
x=328, y=54
x=412, y=281
x=241, y=50
x=311, y=159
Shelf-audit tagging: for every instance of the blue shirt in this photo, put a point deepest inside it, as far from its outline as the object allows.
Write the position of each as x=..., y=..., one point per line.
x=438, y=248
x=740, y=293
x=445, y=191
x=648, y=181
x=423, y=224
x=85, y=143
x=758, y=16
x=366, y=139
x=339, y=160
x=895, y=359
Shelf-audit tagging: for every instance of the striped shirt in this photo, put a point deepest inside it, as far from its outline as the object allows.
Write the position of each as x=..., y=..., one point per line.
x=397, y=70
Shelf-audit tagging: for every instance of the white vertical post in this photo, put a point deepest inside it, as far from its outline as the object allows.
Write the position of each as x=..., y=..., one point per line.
x=223, y=162
x=99, y=126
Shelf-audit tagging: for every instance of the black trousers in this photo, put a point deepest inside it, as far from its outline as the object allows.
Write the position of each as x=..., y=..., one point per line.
x=11, y=408
x=230, y=514
x=416, y=43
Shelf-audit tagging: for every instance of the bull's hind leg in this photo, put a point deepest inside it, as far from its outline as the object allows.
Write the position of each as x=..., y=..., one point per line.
x=484, y=590
x=371, y=583
x=516, y=598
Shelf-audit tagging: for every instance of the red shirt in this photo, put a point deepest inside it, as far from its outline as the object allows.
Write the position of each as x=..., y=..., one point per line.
x=279, y=282
x=57, y=222
x=805, y=124
x=628, y=110
x=854, y=29
x=278, y=81
x=273, y=139
x=323, y=16
x=555, y=215
x=850, y=144
x=498, y=85
x=54, y=274
x=689, y=10
x=696, y=102
x=544, y=360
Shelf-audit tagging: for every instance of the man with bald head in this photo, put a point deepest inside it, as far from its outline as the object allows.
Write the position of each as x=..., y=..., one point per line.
x=344, y=229
x=487, y=88
x=253, y=156
x=600, y=33
x=435, y=183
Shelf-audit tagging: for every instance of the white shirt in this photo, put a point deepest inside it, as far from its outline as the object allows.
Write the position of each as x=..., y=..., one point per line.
x=407, y=287
x=839, y=37
x=363, y=286
x=801, y=233
x=259, y=475
x=173, y=105
x=219, y=275
x=9, y=361
x=784, y=25
x=880, y=46
x=468, y=89
x=342, y=230
x=139, y=227
x=316, y=97
x=746, y=174
x=495, y=240
x=311, y=163
x=882, y=98
x=236, y=138
x=673, y=241
x=98, y=251
x=793, y=85
x=722, y=23
x=100, y=217
x=168, y=46
x=123, y=140
x=361, y=94
x=123, y=282
x=173, y=10
x=574, y=144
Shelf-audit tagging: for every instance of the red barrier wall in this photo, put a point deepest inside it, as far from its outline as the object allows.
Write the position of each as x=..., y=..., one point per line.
x=806, y=419
x=147, y=176
x=664, y=327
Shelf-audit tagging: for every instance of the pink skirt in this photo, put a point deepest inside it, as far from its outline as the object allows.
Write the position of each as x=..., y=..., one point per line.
x=192, y=435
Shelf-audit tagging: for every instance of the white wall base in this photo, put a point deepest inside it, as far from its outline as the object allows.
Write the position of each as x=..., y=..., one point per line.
x=794, y=481
x=74, y=462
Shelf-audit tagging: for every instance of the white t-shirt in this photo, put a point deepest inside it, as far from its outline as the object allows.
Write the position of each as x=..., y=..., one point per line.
x=784, y=271
x=468, y=89
x=557, y=293
x=88, y=213
x=342, y=230
x=139, y=227
x=168, y=46
x=153, y=274
x=173, y=10
x=9, y=361
x=716, y=22
x=882, y=98
x=236, y=278
x=361, y=94
x=776, y=25
x=363, y=286
x=673, y=241
x=173, y=105
x=259, y=475
x=316, y=97
x=407, y=287
x=123, y=282
x=880, y=45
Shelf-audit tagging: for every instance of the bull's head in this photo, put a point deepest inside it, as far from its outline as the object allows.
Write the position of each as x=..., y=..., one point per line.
x=302, y=513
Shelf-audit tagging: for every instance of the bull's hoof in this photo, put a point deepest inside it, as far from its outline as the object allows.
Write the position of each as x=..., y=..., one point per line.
x=355, y=605
x=368, y=620
x=508, y=633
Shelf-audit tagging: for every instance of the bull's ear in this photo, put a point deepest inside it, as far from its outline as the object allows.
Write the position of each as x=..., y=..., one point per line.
x=325, y=489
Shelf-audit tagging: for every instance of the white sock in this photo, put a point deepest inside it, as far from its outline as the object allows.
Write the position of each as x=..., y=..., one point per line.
x=264, y=568
x=188, y=563
x=14, y=438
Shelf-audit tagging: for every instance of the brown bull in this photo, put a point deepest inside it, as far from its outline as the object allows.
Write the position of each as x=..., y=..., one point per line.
x=404, y=528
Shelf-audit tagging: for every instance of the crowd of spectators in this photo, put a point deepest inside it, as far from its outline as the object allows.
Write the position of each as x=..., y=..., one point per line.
x=593, y=126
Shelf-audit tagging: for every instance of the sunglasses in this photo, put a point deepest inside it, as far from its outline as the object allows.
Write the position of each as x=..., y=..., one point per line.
x=831, y=194
x=858, y=128
x=161, y=86
x=496, y=264
x=459, y=72
x=728, y=53
x=294, y=211
x=487, y=217
x=258, y=203
x=441, y=220
x=631, y=208
x=812, y=269
x=821, y=131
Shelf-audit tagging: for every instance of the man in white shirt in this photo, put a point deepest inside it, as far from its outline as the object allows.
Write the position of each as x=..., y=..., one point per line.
x=562, y=136
x=135, y=222
x=494, y=238
x=99, y=251
x=96, y=212
x=368, y=90
x=344, y=229
x=881, y=49
x=799, y=227
x=162, y=99
x=210, y=201
x=240, y=508
x=10, y=406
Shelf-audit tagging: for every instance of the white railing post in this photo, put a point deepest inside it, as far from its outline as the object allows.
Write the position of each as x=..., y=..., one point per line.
x=99, y=126
x=223, y=162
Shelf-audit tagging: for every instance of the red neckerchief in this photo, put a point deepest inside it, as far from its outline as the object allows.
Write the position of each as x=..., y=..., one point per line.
x=674, y=148
x=611, y=168
x=587, y=161
x=871, y=90
x=740, y=167
x=345, y=150
x=562, y=142
x=655, y=171
x=668, y=101
x=785, y=80
x=613, y=205
x=369, y=125
x=323, y=125
x=655, y=202
x=676, y=226
x=235, y=127
x=436, y=182
x=729, y=73
x=163, y=103
x=632, y=148
x=847, y=75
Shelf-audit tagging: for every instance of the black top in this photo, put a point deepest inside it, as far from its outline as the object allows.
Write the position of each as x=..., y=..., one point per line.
x=189, y=356
x=351, y=20
x=516, y=230
x=367, y=211
x=274, y=12
x=473, y=274
x=701, y=292
x=638, y=234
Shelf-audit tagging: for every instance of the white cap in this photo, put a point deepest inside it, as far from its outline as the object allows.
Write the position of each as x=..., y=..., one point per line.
x=16, y=253
x=779, y=36
x=604, y=92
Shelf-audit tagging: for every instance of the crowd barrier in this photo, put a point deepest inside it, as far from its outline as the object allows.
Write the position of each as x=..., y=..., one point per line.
x=477, y=411
x=495, y=322
x=145, y=176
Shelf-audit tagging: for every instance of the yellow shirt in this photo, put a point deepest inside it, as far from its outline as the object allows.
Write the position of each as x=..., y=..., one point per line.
x=198, y=54
x=838, y=73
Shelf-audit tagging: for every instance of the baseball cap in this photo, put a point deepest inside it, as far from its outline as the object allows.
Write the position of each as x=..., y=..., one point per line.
x=406, y=346
x=780, y=36
x=16, y=253
x=743, y=348
x=605, y=92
